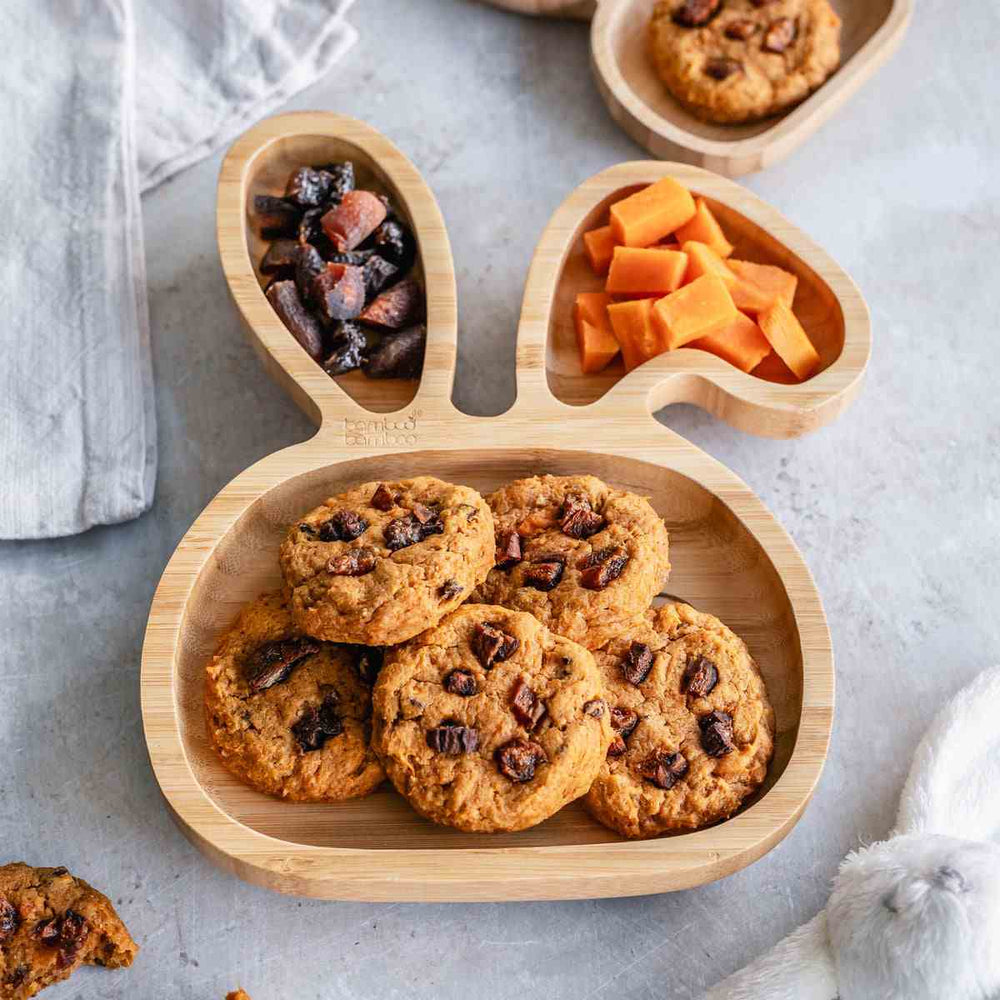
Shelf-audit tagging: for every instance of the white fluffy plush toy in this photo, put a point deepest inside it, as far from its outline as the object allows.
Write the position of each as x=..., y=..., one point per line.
x=916, y=917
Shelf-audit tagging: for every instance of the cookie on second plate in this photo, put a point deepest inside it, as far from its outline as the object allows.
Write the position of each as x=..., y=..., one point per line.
x=742, y=60
x=581, y=556
x=694, y=727
x=490, y=721
x=385, y=560
x=289, y=715
x=51, y=923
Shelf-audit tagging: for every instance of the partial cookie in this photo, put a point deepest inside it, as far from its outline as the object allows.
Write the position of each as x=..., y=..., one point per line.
x=383, y=561
x=742, y=60
x=51, y=923
x=288, y=714
x=579, y=555
x=490, y=721
x=237, y=995
x=694, y=727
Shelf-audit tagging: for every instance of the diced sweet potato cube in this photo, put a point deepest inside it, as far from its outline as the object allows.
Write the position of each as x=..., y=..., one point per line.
x=702, y=259
x=741, y=343
x=790, y=342
x=351, y=222
x=599, y=245
x=632, y=323
x=694, y=311
x=760, y=284
x=773, y=369
x=594, y=337
x=651, y=272
x=644, y=218
x=705, y=228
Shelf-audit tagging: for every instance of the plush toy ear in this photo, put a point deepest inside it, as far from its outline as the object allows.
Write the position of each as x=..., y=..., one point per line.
x=952, y=785
x=800, y=968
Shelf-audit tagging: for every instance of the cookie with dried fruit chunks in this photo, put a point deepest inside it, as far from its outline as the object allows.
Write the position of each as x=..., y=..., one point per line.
x=51, y=923
x=490, y=721
x=238, y=995
x=581, y=556
x=694, y=730
x=381, y=562
x=288, y=714
x=742, y=60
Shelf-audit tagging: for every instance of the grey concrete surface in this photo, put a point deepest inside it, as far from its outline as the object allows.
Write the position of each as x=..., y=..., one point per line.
x=896, y=507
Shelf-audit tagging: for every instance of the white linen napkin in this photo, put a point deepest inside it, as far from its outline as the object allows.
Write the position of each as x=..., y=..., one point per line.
x=104, y=98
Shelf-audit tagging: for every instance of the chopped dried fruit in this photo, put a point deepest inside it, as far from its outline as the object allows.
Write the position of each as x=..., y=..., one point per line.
x=308, y=187
x=271, y=662
x=281, y=257
x=518, y=759
x=339, y=291
x=303, y=326
x=528, y=709
x=347, y=345
x=356, y=258
x=508, y=549
x=717, y=734
x=423, y=513
x=402, y=532
x=67, y=933
x=309, y=264
x=695, y=13
x=397, y=356
x=354, y=562
x=664, y=769
x=344, y=526
x=378, y=273
x=700, y=677
x=318, y=725
x=452, y=738
x=779, y=35
x=623, y=721
x=383, y=498
x=343, y=179
x=276, y=216
x=721, y=67
x=579, y=519
x=611, y=565
x=353, y=220
x=492, y=645
x=369, y=663
x=395, y=243
x=16, y=977
x=637, y=663
x=400, y=306
x=617, y=747
x=310, y=230
x=545, y=572
x=741, y=29
x=461, y=682
x=449, y=590
x=9, y=919
x=594, y=708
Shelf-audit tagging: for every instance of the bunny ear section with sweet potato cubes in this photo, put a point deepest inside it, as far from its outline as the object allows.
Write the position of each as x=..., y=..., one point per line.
x=671, y=281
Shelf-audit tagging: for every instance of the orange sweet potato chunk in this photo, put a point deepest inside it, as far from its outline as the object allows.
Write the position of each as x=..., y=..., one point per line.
x=773, y=369
x=789, y=340
x=599, y=245
x=646, y=272
x=694, y=311
x=644, y=218
x=594, y=338
x=632, y=323
x=702, y=259
x=741, y=343
x=705, y=228
x=760, y=284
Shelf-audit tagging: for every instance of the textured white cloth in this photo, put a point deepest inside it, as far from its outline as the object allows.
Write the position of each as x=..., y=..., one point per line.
x=102, y=99
x=916, y=917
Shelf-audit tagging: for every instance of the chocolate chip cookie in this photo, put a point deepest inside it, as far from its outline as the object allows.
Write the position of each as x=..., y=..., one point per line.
x=490, y=721
x=51, y=923
x=694, y=730
x=742, y=60
x=288, y=714
x=384, y=561
x=581, y=556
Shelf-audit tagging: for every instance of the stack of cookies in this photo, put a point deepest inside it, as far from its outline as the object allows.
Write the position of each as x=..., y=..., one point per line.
x=496, y=658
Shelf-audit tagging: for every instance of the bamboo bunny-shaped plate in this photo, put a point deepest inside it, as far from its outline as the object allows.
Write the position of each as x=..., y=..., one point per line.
x=730, y=557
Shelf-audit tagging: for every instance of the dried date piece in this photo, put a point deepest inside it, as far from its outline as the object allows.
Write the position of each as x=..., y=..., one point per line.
x=664, y=769
x=492, y=645
x=610, y=565
x=369, y=663
x=508, y=550
x=717, y=734
x=696, y=13
x=741, y=29
x=354, y=562
x=779, y=35
x=303, y=326
x=308, y=187
x=617, y=747
x=528, y=709
x=721, y=67
x=518, y=759
x=637, y=663
x=310, y=230
x=280, y=258
x=545, y=572
x=398, y=356
x=356, y=258
x=383, y=498
x=399, y=306
x=402, y=532
x=309, y=264
x=378, y=274
x=67, y=933
x=594, y=708
x=394, y=242
x=453, y=739
x=339, y=291
x=449, y=590
x=344, y=526
x=353, y=220
x=347, y=346
x=271, y=662
x=318, y=725
x=700, y=677
x=276, y=216
x=343, y=179
x=578, y=519
x=9, y=919
x=462, y=683
x=623, y=721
